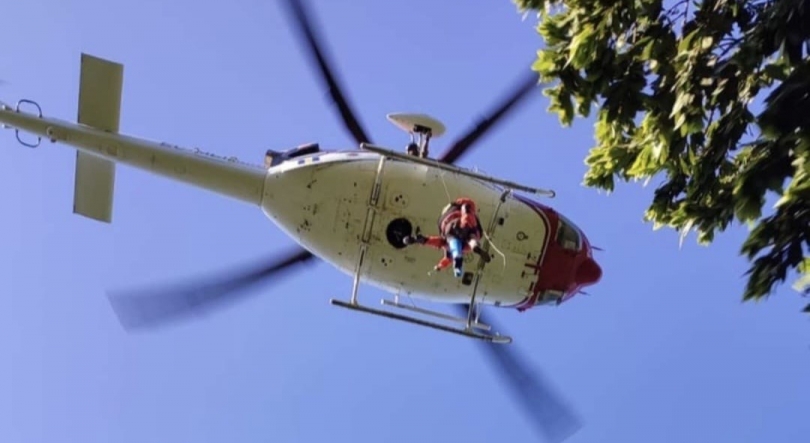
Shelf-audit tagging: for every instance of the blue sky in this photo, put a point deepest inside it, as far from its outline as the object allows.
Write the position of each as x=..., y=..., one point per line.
x=663, y=350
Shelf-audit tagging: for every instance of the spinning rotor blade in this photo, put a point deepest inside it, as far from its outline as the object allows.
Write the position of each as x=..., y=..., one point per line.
x=304, y=26
x=139, y=309
x=463, y=144
x=529, y=388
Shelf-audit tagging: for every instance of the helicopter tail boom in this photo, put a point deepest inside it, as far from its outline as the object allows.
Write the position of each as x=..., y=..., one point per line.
x=99, y=146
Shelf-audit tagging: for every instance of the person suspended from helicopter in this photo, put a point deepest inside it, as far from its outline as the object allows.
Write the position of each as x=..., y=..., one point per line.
x=459, y=233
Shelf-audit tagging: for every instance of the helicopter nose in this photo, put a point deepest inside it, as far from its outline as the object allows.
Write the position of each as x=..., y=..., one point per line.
x=588, y=273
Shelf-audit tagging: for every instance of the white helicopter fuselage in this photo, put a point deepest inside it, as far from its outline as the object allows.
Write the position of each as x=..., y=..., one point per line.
x=322, y=201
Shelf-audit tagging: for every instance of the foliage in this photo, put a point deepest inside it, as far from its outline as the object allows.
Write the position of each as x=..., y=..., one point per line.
x=674, y=86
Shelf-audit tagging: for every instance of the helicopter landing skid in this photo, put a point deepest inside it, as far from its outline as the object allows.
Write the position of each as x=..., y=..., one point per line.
x=471, y=325
x=468, y=332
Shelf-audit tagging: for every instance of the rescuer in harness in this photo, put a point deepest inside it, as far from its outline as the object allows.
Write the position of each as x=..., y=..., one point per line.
x=459, y=233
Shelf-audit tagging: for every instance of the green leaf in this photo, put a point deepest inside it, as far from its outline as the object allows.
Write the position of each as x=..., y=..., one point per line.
x=545, y=63
x=580, y=48
x=648, y=44
x=686, y=42
x=776, y=71
x=748, y=209
x=706, y=42
x=803, y=283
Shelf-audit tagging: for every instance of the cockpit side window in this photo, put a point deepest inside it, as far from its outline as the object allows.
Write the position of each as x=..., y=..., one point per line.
x=568, y=235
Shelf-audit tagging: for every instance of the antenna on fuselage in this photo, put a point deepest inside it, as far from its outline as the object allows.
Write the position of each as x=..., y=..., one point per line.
x=421, y=128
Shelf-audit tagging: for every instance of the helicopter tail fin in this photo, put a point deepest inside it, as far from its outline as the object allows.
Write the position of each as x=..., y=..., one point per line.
x=100, y=88
x=3, y=104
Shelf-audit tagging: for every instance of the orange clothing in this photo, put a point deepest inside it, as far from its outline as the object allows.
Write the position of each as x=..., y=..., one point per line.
x=439, y=242
x=459, y=219
x=461, y=215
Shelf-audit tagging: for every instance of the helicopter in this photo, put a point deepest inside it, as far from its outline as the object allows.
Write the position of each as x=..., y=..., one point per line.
x=352, y=208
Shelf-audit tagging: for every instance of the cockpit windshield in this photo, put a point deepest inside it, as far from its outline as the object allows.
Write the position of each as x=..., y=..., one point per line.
x=568, y=234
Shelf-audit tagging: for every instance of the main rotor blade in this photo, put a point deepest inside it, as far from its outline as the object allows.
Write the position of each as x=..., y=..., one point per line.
x=138, y=309
x=464, y=143
x=316, y=53
x=546, y=410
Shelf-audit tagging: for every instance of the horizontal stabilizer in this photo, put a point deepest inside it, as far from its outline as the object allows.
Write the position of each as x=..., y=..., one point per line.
x=94, y=187
x=99, y=107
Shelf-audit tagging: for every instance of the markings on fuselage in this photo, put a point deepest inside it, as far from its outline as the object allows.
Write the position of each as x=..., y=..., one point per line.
x=535, y=262
x=304, y=226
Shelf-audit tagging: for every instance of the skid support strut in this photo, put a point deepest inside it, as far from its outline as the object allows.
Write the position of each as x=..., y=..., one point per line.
x=474, y=311
x=471, y=327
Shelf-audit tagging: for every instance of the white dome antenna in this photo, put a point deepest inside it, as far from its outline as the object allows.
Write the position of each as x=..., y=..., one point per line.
x=421, y=127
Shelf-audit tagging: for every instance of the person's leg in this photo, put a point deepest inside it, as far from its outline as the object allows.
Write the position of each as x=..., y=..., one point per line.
x=432, y=240
x=435, y=241
x=456, y=247
x=475, y=247
x=443, y=263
